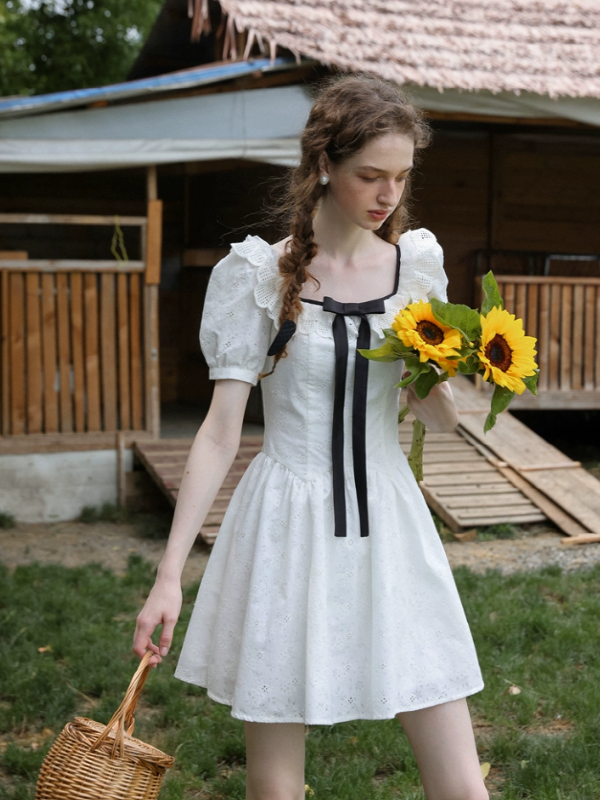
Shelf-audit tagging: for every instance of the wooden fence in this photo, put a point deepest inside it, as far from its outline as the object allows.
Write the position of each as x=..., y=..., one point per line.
x=79, y=353
x=563, y=313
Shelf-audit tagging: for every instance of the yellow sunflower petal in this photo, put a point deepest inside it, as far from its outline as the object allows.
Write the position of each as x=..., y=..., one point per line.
x=506, y=353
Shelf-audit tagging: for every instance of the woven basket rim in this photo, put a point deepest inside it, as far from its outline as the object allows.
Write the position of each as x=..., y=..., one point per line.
x=149, y=752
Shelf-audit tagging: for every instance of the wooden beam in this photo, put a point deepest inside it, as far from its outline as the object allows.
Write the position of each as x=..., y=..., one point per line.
x=70, y=265
x=154, y=242
x=151, y=184
x=203, y=257
x=151, y=363
x=68, y=219
x=65, y=442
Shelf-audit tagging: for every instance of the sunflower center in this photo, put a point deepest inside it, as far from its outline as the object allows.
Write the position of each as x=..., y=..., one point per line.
x=430, y=332
x=499, y=353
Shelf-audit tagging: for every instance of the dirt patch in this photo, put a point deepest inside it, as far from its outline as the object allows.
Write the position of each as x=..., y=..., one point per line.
x=110, y=544
x=75, y=543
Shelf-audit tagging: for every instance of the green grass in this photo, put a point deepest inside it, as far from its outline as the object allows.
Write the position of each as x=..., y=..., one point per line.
x=7, y=520
x=536, y=631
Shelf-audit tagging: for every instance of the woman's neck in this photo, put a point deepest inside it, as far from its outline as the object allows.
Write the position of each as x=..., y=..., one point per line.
x=339, y=238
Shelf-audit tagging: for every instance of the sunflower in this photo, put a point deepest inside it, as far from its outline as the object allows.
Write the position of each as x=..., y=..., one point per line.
x=507, y=355
x=417, y=327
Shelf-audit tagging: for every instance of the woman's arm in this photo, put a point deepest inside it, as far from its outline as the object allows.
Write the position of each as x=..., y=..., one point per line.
x=438, y=410
x=211, y=455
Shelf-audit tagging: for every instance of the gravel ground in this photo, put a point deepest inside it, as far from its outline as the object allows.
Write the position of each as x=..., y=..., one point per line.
x=110, y=544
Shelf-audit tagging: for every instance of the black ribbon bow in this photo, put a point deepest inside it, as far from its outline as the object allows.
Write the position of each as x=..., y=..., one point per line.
x=359, y=407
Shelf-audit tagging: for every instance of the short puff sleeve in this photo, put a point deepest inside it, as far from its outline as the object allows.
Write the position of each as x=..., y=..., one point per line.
x=235, y=332
x=426, y=259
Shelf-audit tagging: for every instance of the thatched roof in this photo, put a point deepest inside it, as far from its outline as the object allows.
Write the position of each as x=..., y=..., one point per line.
x=548, y=47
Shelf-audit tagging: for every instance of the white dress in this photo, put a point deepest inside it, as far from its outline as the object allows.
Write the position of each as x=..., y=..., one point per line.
x=292, y=622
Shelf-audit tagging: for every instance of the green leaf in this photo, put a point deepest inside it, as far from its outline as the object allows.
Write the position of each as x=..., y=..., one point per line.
x=501, y=399
x=470, y=366
x=531, y=382
x=384, y=353
x=491, y=294
x=425, y=383
x=415, y=367
x=489, y=423
x=455, y=315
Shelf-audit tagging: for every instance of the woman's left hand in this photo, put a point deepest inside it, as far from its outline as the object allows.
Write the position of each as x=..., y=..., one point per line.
x=437, y=410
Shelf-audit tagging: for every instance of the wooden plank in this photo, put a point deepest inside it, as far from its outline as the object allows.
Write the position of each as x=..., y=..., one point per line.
x=49, y=354
x=4, y=353
x=71, y=265
x=108, y=352
x=65, y=442
x=123, y=346
x=518, y=519
x=64, y=352
x=78, y=354
x=597, y=338
x=566, y=330
x=69, y=219
x=574, y=490
x=17, y=353
x=92, y=366
x=151, y=366
x=33, y=350
x=509, y=296
x=472, y=478
x=548, y=280
x=532, y=323
x=544, y=338
x=586, y=538
x=521, y=303
x=203, y=257
x=440, y=509
x=135, y=302
x=457, y=467
x=554, y=333
x=495, y=499
x=590, y=381
x=502, y=486
x=154, y=242
x=576, y=357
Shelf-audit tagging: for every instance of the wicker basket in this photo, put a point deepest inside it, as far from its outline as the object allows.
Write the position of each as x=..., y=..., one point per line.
x=90, y=761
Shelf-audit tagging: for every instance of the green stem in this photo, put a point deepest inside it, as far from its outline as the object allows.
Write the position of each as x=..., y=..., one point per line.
x=415, y=458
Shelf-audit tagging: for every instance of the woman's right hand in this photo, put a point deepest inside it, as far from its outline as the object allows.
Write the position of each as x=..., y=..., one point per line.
x=162, y=607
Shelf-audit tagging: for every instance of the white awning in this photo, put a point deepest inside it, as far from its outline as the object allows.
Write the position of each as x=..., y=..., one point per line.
x=259, y=125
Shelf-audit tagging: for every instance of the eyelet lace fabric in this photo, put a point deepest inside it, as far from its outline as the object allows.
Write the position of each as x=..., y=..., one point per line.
x=291, y=623
x=422, y=276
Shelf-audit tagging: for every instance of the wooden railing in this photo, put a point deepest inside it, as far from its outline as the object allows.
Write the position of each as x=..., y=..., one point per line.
x=563, y=313
x=79, y=353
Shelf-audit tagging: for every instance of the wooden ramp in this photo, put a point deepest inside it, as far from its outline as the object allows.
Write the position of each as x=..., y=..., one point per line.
x=463, y=487
x=471, y=479
x=165, y=461
x=556, y=484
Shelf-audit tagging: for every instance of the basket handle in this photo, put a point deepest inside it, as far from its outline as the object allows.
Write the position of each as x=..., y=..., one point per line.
x=123, y=718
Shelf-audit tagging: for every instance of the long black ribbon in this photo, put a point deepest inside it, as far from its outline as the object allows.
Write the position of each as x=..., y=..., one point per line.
x=359, y=408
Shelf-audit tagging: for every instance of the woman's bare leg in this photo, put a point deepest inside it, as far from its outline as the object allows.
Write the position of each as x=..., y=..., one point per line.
x=274, y=760
x=442, y=740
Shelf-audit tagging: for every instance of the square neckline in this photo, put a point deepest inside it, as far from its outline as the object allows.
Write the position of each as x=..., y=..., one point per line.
x=369, y=300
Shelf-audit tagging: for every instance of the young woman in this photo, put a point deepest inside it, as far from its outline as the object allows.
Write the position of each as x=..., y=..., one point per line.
x=328, y=596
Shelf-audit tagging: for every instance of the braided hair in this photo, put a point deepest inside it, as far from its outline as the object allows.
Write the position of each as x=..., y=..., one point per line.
x=349, y=111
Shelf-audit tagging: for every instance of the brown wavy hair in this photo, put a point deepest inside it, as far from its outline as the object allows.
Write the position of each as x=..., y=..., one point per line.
x=348, y=112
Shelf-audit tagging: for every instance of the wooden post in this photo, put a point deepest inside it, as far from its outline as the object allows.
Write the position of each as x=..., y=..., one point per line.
x=151, y=342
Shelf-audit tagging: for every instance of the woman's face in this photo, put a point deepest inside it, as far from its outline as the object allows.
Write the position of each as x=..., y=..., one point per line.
x=367, y=187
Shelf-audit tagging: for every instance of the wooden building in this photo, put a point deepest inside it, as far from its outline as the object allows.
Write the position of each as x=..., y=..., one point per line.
x=189, y=150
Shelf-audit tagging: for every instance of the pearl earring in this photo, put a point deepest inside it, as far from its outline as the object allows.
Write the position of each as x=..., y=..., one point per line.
x=323, y=180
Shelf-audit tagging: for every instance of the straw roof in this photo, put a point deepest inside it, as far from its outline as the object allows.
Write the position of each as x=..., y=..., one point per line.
x=543, y=46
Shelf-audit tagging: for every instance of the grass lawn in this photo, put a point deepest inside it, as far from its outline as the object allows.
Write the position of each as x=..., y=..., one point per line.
x=537, y=720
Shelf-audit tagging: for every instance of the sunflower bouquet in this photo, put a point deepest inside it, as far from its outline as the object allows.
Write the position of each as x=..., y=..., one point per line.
x=436, y=340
